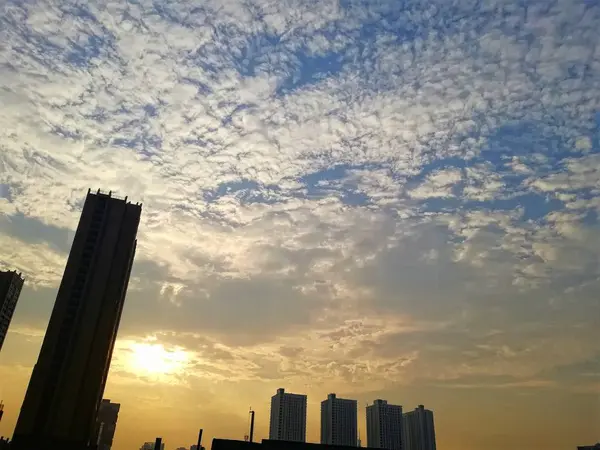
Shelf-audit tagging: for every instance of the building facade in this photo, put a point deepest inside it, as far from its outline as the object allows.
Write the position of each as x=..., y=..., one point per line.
x=11, y=284
x=67, y=383
x=106, y=424
x=418, y=429
x=338, y=421
x=384, y=425
x=288, y=417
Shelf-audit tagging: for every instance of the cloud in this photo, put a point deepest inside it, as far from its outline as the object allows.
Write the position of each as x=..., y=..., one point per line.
x=317, y=177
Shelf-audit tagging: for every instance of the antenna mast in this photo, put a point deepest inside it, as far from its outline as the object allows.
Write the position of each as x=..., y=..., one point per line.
x=251, y=425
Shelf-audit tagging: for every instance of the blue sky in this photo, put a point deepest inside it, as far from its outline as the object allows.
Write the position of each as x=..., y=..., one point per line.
x=369, y=197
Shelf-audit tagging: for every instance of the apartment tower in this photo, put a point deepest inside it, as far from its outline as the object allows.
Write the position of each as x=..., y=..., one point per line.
x=11, y=284
x=62, y=400
x=288, y=417
x=384, y=425
x=418, y=429
x=338, y=421
x=106, y=424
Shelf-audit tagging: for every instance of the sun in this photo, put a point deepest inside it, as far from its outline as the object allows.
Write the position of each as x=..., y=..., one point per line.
x=154, y=359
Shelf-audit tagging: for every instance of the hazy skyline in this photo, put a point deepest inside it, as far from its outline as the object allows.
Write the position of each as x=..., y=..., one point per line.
x=381, y=199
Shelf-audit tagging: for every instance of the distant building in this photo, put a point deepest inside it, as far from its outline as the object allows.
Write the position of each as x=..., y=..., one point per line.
x=338, y=421
x=589, y=447
x=384, y=425
x=267, y=444
x=288, y=417
x=150, y=446
x=11, y=284
x=67, y=383
x=106, y=424
x=181, y=448
x=418, y=429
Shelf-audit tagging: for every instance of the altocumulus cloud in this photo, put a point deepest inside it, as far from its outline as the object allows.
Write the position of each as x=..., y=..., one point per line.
x=387, y=188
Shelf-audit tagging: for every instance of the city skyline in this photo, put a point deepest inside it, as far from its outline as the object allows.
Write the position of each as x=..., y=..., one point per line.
x=383, y=199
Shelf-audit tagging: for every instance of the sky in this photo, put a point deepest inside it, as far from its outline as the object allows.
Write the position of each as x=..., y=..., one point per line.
x=391, y=199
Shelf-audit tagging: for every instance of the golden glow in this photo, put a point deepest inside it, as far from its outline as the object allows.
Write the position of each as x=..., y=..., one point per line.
x=154, y=359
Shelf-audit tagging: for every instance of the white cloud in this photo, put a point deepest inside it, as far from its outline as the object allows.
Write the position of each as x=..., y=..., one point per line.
x=283, y=140
x=438, y=184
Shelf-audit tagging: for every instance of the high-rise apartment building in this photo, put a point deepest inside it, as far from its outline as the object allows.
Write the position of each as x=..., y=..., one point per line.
x=418, y=429
x=67, y=383
x=288, y=417
x=11, y=284
x=106, y=424
x=384, y=425
x=338, y=421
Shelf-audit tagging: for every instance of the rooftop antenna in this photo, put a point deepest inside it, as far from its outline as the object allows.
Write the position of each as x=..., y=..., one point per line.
x=251, y=425
x=250, y=437
x=199, y=447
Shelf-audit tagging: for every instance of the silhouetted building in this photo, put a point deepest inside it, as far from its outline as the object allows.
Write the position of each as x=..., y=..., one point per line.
x=150, y=446
x=288, y=417
x=267, y=444
x=67, y=383
x=106, y=424
x=11, y=284
x=418, y=429
x=589, y=447
x=4, y=443
x=338, y=421
x=384, y=425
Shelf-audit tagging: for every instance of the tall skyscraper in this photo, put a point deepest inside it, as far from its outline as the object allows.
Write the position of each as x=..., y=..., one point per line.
x=67, y=383
x=384, y=425
x=106, y=424
x=288, y=417
x=11, y=284
x=418, y=429
x=338, y=421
